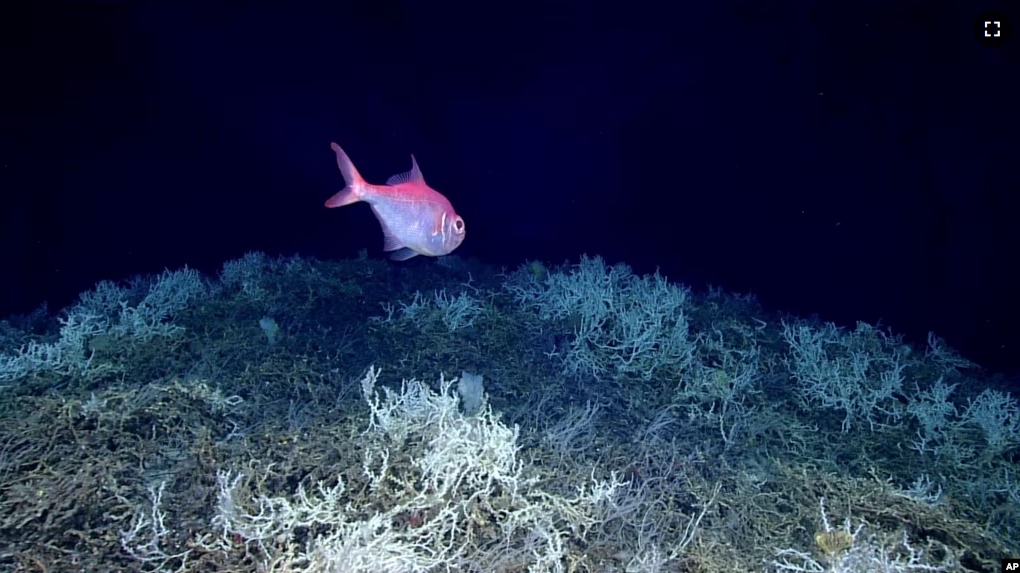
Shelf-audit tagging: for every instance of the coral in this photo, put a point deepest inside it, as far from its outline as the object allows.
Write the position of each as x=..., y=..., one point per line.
x=624, y=325
x=464, y=499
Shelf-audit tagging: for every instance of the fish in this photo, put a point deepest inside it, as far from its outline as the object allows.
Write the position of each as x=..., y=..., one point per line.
x=415, y=218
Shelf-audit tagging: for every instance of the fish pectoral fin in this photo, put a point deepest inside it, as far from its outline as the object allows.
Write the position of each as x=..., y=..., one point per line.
x=390, y=242
x=402, y=254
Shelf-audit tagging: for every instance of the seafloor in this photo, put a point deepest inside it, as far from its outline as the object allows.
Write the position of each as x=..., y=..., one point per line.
x=184, y=443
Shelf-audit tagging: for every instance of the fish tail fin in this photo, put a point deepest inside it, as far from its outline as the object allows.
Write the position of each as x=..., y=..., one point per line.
x=355, y=184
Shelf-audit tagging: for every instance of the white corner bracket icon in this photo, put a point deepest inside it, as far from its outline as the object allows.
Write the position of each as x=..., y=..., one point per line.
x=998, y=27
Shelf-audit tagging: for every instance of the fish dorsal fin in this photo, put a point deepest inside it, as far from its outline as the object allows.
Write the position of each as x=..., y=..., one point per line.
x=412, y=176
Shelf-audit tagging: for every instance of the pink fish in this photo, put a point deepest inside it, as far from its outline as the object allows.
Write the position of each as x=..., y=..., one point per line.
x=416, y=219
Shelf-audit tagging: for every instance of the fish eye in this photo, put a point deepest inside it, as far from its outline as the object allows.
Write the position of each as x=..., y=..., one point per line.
x=458, y=225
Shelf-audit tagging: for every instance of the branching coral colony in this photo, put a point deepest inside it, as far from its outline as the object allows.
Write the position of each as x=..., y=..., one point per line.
x=463, y=502
x=159, y=426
